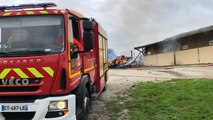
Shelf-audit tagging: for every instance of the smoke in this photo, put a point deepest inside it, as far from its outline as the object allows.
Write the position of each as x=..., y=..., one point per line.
x=132, y=23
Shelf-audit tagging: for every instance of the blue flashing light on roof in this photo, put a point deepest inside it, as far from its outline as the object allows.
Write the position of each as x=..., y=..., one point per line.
x=26, y=6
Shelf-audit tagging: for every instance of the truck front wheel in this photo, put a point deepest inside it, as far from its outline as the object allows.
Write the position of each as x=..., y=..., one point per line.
x=86, y=104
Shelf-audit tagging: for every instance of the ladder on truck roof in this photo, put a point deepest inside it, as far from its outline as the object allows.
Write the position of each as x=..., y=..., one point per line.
x=26, y=6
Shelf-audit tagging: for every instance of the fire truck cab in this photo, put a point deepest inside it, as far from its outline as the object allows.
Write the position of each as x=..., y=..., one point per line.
x=52, y=62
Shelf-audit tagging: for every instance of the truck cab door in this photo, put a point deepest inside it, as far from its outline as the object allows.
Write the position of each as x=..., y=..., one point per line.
x=76, y=61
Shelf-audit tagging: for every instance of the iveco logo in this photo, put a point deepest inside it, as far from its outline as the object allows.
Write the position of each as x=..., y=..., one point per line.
x=20, y=61
x=14, y=81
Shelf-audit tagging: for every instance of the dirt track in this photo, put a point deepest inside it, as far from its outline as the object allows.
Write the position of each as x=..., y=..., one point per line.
x=120, y=80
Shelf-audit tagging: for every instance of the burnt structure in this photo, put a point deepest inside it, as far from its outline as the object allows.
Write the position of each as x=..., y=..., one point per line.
x=194, y=47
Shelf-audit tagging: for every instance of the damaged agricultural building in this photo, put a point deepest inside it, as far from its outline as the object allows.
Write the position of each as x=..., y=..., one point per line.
x=195, y=47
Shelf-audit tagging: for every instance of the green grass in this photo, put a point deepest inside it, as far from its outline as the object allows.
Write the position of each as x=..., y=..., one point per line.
x=170, y=100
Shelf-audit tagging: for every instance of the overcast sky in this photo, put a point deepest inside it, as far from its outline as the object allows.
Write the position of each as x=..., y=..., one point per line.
x=131, y=23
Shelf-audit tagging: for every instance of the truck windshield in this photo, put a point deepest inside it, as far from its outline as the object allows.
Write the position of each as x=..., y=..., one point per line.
x=31, y=35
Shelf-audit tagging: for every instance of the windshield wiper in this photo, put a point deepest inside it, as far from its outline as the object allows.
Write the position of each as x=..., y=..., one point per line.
x=25, y=52
x=29, y=51
x=5, y=54
x=38, y=51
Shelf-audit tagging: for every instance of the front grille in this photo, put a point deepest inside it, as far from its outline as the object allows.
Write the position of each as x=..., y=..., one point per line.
x=19, y=89
x=18, y=115
x=19, y=99
x=31, y=81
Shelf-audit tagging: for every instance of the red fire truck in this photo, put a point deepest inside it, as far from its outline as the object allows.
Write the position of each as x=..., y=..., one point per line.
x=52, y=62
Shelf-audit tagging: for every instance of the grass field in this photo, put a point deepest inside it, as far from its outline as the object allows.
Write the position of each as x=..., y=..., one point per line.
x=170, y=100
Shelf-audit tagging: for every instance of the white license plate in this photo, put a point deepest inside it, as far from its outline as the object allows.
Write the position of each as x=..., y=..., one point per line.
x=14, y=108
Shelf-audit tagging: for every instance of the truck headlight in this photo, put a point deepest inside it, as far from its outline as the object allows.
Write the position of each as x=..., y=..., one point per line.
x=58, y=105
x=57, y=109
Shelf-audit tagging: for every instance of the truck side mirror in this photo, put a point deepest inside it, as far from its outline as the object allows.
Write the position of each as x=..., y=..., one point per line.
x=88, y=35
x=88, y=25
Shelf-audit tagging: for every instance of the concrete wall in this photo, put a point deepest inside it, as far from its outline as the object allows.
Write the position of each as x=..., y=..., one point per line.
x=187, y=57
x=206, y=55
x=165, y=59
x=150, y=60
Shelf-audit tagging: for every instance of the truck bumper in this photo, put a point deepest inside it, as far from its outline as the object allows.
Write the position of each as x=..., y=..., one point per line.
x=40, y=108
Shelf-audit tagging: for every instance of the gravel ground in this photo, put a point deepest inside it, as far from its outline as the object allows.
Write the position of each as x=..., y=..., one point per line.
x=122, y=79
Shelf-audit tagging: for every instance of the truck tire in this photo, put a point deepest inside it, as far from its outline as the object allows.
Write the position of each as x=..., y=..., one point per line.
x=83, y=99
x=86, y=104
